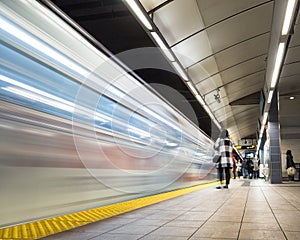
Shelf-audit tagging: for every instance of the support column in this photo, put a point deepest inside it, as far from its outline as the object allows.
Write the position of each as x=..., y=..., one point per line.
x=275, y=151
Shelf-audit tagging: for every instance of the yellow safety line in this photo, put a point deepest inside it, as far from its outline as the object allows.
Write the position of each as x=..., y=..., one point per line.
x=46, y=227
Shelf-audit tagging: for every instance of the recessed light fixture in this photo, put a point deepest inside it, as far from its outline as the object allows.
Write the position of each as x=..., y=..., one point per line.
x=270, y=96
x=288, y=17
x=162, y=45
x=279, y=57
x=292, y=98
x=180, y=71
x=139, y=13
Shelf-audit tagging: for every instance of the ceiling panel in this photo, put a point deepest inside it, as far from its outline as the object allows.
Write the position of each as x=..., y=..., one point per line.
x=210, y=84
x=243, y=51
x=241, y=27
x=243, y=69
x=244, y=92
x=178, y=19
x=230, y=123
x=296, y=36
x=290, y=85
x=203, y=69
x=243, y=113
x=223, y=113
x=243, y=117
x=150, y=4
x=298, y=18
x=291, y=69
x=211, y=98
x=293, y=55
x=288, y=116
x=246, y=132
x=213, y=11
x=193, y=49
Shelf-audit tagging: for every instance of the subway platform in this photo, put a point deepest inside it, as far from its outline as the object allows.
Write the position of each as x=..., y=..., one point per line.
x=249, y=209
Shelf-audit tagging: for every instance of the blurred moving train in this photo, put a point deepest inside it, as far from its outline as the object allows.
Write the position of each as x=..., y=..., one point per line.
x=77, y=130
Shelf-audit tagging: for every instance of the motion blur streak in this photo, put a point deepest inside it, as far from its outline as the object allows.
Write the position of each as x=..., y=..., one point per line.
x=77, y=135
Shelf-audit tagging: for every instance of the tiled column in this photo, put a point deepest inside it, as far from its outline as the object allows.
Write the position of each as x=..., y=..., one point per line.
x=275, y=152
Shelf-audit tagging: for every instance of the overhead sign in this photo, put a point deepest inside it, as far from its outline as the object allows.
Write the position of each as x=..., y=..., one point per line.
x=245, y=147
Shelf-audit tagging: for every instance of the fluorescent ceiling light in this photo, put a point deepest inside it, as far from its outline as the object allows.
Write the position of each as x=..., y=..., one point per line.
x=139, y=13
x=292, y=98
x=264, y=119
x=258, y=145
x=270, y=96
x=288, y=16
x=180, y=71
x=199, y=98
x=278, y=61
x=163, y=46
x=194, y=91
x=262, y=128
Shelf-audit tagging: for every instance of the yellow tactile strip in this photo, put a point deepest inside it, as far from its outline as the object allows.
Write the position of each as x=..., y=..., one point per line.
x=42, y=228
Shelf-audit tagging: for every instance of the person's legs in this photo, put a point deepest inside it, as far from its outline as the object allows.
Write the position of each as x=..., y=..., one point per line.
x=227, y=175
x=291, y=178
x=220, y=173
x=246, y=173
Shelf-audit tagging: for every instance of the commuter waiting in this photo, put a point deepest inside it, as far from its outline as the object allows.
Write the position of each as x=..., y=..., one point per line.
x=255, y=168
x=239, y=168
x=245, y=168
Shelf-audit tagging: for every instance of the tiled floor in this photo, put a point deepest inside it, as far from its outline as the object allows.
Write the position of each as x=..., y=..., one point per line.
x=249, y=209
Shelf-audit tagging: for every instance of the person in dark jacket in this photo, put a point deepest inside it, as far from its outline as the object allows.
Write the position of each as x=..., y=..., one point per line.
x=225, y=146
x=290, y=163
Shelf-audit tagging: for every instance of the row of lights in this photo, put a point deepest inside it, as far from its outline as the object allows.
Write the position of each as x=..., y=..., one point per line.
x=140, y=13
x=278, y=62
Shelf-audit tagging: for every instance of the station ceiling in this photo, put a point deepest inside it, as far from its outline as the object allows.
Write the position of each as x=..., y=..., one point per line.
x=225, y=46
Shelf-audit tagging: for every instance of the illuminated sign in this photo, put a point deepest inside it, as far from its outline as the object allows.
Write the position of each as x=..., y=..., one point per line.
x=245, y=147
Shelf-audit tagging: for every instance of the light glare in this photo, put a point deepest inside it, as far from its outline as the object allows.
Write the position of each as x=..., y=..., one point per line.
x=136, y=9
x=161, y=44
x=180, y=71
x=278, y=61
x=288, y=17
x=270, y=96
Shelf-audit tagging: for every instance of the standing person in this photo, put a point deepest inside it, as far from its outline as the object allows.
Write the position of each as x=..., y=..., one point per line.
x=290, y=163
x=225, y=146
x=250, y=167
x=255, y=168
x=245, y=168
x=239, y=168
x=234, y=166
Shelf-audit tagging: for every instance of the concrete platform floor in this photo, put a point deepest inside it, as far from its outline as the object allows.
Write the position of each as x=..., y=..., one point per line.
x=249, y=209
